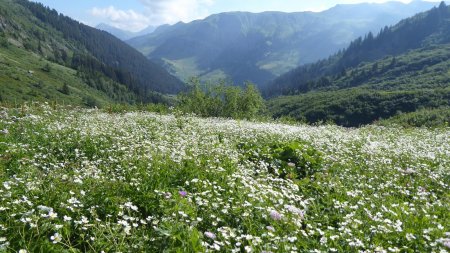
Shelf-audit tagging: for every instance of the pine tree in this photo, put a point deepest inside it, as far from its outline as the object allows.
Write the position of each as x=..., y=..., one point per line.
x=65, y=89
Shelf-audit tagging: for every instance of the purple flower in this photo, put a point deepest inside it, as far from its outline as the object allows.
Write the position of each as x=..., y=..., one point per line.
x=183, y=193
x=275, y=215
x=295, y=210
x=210, y=235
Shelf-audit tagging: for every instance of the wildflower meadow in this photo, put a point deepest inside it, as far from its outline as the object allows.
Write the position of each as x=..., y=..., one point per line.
x=85, y=180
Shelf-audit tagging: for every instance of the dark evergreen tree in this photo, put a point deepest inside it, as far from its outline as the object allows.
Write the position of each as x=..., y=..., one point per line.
x=65, y=89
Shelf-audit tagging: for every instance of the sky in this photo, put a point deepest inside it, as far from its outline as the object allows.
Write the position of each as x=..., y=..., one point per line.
x=135, y=15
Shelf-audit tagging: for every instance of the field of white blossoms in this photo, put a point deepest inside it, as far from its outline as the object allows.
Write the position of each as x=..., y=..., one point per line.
x=77, y=180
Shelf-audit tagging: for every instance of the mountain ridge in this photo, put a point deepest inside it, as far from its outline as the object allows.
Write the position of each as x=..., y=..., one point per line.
x=409, y=34
x=405, y=68
x=258, y=47
x=124, y=34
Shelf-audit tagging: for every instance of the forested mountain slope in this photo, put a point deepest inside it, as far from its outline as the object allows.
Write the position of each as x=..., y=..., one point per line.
x=102, y=61
x=427, y=31
x=353, y=87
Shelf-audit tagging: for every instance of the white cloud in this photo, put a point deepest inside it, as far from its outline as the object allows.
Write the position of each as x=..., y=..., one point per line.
x=154, y=12
x=124, y=19
x=158, y=12
x=171, y=11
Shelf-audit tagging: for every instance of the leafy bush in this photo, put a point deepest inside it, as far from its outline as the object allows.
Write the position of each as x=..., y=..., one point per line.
x=47, y=68
x=90, y=102
x=65, y=89
x=294, y=160
x=222, y=101
x=4, y=42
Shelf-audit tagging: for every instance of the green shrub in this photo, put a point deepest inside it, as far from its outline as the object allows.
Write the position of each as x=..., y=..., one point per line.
x=65, y=89
x=4, y=42
x=47, y=68
x=222, y=101
x=90, y=102
x=294, y=160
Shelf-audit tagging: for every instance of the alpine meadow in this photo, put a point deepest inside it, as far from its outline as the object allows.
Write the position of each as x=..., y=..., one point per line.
x=224, y=126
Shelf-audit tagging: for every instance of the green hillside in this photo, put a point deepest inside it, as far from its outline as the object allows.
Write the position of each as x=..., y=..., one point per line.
x=43, y=51
x=422, y=118
x=423, y=31
x=353, y=88
x=258, y=47
x=356, y=106
x=23, y=78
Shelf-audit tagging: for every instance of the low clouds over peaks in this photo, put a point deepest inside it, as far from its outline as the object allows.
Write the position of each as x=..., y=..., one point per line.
x=153, y=12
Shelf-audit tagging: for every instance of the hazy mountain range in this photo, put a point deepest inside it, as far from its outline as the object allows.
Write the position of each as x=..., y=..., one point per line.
x=123, y=34
x=260, y=46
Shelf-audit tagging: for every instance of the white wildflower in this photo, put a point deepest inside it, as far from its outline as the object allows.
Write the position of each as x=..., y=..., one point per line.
x=56, y=238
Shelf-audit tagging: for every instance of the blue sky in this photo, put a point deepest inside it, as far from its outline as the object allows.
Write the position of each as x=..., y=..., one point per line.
x=136, y=15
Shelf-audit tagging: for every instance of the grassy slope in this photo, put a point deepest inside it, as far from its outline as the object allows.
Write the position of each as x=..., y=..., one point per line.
x=366, y=83
x=421, y=118
x=374, y=90
x=17, y=85
x=427, y=67
x=32, y=39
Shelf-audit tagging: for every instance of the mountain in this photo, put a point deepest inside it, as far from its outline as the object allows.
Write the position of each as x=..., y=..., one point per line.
x=422, y=30
x=258, y=47
x=58, y=45
x=123, y=34
x=404, y=68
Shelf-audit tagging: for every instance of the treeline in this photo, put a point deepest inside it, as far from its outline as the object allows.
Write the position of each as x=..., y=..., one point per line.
x=109, y=51
x=432, y=118
x=91, y=67
x=356, y=107
x=422, y=68
x=424, y=29
x=222, y=100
